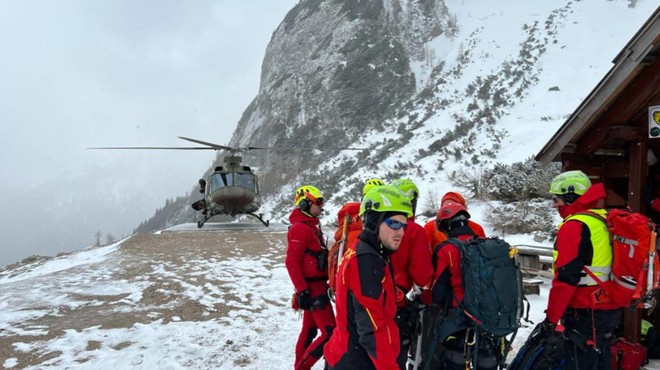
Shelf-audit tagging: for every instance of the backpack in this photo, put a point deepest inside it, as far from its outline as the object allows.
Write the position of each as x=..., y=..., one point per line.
x=627, y=356
x=347, y=222
x=339, y=247
x=492, y=282
x=541, y=351
x=492, y=303
x=635, y=265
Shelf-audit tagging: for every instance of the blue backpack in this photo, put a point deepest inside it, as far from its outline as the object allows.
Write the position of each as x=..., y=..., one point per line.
x=540, y=352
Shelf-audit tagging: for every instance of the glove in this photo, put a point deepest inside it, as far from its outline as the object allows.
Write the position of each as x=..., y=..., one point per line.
x=305, y=300
x=294, y=302
x=548, y=327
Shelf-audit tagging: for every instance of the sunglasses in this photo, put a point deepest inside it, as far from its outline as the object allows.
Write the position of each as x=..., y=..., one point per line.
x=395, y=225
x=556, y=198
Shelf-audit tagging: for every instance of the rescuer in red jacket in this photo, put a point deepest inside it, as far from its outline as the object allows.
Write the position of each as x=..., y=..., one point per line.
x=367, y=336
x=448, y=291
x=436, y=236
x=306, y=261
x=412, y=267
x=447, y=281
x=582, y=241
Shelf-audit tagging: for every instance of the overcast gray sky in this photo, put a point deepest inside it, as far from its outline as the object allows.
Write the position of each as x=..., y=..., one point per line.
x=79, y=73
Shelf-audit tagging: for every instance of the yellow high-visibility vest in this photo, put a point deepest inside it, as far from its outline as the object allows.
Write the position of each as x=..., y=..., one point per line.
x=601, y=263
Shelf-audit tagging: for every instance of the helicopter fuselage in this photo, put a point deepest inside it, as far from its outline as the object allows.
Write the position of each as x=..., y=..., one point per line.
x=232, y=191
x=233, y=200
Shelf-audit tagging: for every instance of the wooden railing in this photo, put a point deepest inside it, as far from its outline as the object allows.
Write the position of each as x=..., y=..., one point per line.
x=535, y=262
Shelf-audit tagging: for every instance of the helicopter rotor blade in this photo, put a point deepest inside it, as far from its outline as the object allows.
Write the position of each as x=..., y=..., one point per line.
x=155, y=147
x=211, y=145
x=302, y=148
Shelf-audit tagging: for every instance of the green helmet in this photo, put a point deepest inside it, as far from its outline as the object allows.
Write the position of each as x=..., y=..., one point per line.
x=570, y=182
x=385, y=199
x=407, y=187
x=369, y=184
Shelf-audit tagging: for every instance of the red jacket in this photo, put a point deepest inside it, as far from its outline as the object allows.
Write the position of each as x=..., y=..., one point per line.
x=447, y=277
x=436, y=236
x=304, y=243
x=573, y=251
x=412, y=261
x=366, y=336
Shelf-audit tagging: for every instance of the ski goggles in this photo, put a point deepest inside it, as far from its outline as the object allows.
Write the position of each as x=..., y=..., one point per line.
x=395, y=225
x=318, y=201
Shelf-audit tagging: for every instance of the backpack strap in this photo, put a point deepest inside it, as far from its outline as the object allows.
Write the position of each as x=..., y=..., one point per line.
x=434, y=256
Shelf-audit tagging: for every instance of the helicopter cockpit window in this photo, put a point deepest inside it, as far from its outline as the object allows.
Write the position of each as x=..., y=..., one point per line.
x=245, y=180
x=220, y=180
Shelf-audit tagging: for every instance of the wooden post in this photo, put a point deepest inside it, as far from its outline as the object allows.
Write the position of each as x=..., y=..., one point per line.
x=638, y=169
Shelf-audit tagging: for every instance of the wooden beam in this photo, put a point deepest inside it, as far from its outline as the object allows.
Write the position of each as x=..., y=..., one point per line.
x=589, y=144
x=601, y=166
x=635, y=96
x=626, y=133
x=638, y=169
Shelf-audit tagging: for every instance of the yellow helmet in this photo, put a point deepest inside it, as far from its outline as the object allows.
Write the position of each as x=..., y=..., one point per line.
x=369, y=184
x=306, y=195
x=570, y=182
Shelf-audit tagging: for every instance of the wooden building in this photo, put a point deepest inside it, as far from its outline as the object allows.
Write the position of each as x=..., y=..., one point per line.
x=611, y=136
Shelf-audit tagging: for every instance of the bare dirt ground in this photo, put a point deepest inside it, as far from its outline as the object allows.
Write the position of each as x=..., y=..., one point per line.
x=169, y=265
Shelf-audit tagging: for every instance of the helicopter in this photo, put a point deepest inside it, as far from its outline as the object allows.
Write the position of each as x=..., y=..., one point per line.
x=232, y=189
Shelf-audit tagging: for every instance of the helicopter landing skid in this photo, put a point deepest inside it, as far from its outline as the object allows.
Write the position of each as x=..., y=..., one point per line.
x=260, y=217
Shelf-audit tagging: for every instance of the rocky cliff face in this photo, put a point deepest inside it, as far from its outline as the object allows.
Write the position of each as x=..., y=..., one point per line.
x=335, y=69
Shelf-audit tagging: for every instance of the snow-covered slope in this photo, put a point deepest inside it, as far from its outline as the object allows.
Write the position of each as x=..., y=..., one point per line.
x=492, y=83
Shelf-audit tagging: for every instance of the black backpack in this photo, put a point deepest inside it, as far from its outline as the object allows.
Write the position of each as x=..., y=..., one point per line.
x=493, y=296
x=541, y=351
x=492, y=282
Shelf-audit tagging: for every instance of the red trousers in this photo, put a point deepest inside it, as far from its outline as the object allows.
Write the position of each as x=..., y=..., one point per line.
x=309, y=347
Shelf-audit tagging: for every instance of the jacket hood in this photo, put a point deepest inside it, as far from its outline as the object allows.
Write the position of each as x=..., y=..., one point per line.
x=299, y=216
x=594, y=197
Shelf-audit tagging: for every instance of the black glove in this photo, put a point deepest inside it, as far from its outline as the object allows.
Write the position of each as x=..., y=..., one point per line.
x=305, y=300
x=548, y=327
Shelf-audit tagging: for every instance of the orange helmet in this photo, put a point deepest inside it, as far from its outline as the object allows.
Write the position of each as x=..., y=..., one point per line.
x=454, y=197
x=451, y=210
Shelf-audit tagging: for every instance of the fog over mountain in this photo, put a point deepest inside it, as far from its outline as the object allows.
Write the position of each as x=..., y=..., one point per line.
x=77, y=74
